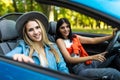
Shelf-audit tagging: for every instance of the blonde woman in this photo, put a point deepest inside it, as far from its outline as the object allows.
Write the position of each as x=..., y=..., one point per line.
x=35, y=46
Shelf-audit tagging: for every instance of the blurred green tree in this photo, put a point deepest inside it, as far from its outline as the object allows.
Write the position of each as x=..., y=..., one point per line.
x=78, y=20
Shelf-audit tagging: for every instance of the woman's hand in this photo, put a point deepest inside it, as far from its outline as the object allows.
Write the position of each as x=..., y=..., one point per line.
x=103, y=53
x=98, y=57
x=22, y=58
x=114, y=31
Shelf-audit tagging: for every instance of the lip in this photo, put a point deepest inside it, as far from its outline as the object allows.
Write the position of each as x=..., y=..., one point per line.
x=66, y=32
x=37, y=36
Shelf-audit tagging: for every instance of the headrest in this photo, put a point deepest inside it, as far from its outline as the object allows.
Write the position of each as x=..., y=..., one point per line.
x=7, y=30
x=52, y=27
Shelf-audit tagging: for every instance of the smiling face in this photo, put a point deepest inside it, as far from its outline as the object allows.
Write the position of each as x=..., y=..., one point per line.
x=33, y=31
x=64, y=30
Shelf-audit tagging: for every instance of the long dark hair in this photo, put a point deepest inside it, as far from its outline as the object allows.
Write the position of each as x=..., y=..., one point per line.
x=59, y=23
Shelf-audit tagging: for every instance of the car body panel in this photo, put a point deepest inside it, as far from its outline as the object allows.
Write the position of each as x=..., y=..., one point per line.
x=109, y=7
x=13, y=70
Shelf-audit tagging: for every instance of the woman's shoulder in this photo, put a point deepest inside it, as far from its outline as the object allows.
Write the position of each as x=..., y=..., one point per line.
x=21, y=42
x=59, y=40
x=54, y=44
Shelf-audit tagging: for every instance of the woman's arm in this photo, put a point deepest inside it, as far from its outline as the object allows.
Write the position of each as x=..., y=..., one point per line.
x=17, y=50
x=18, y=54
x=96, y=40
x=70, y=59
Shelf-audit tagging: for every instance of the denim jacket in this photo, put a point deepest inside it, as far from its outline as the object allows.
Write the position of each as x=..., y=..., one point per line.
x=23, y=48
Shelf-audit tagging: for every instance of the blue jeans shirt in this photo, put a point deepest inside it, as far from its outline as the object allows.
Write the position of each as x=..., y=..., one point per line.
x=23, y=48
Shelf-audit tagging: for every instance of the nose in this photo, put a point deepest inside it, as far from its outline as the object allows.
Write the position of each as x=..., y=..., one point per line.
x=35, y=31
x=66, y=28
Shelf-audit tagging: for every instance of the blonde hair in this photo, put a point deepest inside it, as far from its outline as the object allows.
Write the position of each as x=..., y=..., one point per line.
x=44, y=41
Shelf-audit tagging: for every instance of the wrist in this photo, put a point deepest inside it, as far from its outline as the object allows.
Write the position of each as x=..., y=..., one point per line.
x=90, y=57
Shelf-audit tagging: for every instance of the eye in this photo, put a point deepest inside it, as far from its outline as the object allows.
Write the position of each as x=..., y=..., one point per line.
x=62, y=27
x=37, y=27
x=31, y=29
x=67, y=26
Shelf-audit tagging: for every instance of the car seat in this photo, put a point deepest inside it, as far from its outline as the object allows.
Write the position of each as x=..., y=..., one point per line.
x=8, y=36
x=11, y=16
x=52, y=31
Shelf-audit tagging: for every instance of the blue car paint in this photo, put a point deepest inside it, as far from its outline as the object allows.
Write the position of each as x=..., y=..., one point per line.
x=12, y=72
x=109, y=7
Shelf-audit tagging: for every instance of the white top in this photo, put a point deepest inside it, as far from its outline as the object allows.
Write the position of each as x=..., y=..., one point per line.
x=43, y=61
x=68, y=45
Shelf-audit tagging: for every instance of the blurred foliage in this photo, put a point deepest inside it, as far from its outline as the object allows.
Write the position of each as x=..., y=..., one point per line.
x=79, y=22
x=6, y=7
x=96, y=31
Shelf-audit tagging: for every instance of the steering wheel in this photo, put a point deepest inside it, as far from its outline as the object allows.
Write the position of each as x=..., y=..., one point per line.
x=112, y=43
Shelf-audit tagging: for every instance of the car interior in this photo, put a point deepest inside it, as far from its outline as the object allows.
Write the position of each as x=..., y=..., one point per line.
x=8, y=33
x=11, y=16
x=51, y=31
x=9, y=36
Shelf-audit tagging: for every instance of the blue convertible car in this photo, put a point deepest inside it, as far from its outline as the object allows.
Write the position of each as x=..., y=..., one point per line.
x=103, y=10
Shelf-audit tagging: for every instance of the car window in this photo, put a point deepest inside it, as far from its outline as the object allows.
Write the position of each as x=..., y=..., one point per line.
x=82, y=23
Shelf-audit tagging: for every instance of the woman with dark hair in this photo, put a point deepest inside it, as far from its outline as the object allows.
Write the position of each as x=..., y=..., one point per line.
x=70, y=46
